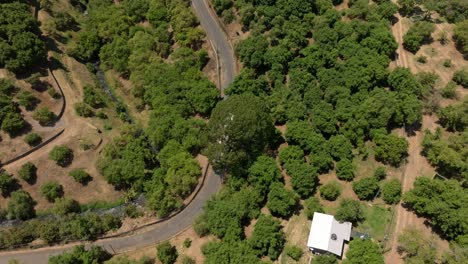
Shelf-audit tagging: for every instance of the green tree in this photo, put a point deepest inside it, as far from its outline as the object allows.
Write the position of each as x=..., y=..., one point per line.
x=311, y=206
x=454, y=117
x=27, y=100
x=325, y=259
x=28, y=172
x=390, y=149
x=417, y=35
x=44, y=116
x=293, y=252
x=461, y=37
x=460, y=77
x=87, y=46
x=391, y=191
x=239, y=129
x=363, y=251
x=340, y=147
x=83, y=109
x=304, y=178
x=263, y=172
x=21, y=206
x=80, y=175
x=32, y=139
x=62, y=155
x=330, y=191
x=267, y=238
x=291, y=154
x=345, y=170
x=380, y=173
x=80, y=255
x=7, y=183
x=349, y=210
x=13, y=123
x=281, y=202
x=167, y=253
x=64, y=206
x=366, y=188
x=52, y=190
x=443, y=202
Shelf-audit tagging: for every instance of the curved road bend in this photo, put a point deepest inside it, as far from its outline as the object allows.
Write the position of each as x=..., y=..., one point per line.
x=219, y=39
x=184, y=219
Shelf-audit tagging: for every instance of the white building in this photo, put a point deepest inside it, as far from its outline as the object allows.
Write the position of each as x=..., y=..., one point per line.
x=328, y=235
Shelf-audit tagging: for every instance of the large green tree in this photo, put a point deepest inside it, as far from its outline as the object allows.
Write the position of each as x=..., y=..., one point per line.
x=240, y=128
x=268, y=238
x=363, y=252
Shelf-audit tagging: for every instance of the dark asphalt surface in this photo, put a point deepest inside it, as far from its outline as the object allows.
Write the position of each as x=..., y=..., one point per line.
x=184, y=219
x=219, y=39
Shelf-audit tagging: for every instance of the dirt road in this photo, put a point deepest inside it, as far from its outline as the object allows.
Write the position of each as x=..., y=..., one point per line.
x=416, y=164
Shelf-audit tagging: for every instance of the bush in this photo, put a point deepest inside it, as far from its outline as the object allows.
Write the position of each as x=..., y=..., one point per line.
x=6, y=87
x=380, y=173
x=64, y=206
x=27, y=100
x=311, y=206
x=345, y=170
x=391, y=191
x=449, y=91
x=366, y=188
x=32, y=139
x=80, y=175
x=187, y=243
x=167, y=253
x=52, y=190
x=44, y=116
x=83, y=110
x=132, y=211
x=349, y=210
x=417, y=35
x=447, y=63
x=21, y=206
x=7, y=183
x=27, y=172
x=187, y=260
x=330, y=191
x=325, y=259
x=460, y=77
x=421, y=59
x=53, y=93
x=80, y=254
x=62, y=155
x=13, y=123
x=293, y=252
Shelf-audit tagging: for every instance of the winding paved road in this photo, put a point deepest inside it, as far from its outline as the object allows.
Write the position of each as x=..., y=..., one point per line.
x=219, y=39
x=184, y=219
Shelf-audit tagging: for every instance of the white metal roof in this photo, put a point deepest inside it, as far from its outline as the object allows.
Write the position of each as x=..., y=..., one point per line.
x=321, y=230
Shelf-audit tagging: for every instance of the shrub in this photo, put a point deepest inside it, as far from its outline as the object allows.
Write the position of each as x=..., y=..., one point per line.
x=52, y=190
x=330, y=191
x=187, y=243
x=447, y=63
x=461, y=77
x=366, y=188
x=83, y=110
x=21, y=206
x=421, y=59
x=80, y=175
x=418, y=34
x=345, y=170
x=349, y=210
x=293, y=252
x=380, y=173
x=53, y=93
x=92, y=97
x=13, y=123
x=7, y=87
x=449, y=91
x=132, y=211
x=64, y=206
x=27, y=172
x=7, y=183
x=44, y=116
x=391, y=191
x=187, y=260
x=167, y=253
x=311, y=206
x=62, y=155
x=32, y=139
x=27, y=100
